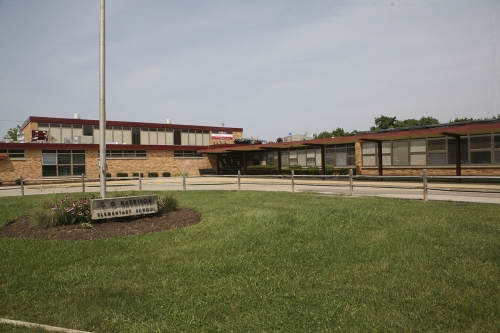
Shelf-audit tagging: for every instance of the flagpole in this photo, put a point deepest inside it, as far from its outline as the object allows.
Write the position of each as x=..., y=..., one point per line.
x=102, y=104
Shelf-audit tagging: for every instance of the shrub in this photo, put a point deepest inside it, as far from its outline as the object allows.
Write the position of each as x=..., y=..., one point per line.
x=121, y=174
x=18, y=181
x=165, y=174
x=167, y=203
x=262, y=170
x=64, y=212
x=152, y=174
x=136, y=174
x=108, y=175
x=295, y=167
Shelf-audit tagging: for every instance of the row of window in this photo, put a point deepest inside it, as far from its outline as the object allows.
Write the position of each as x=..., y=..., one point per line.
x=63, y=163
x=477, y=149
x=12, y=153
x=68, y=133
x=337, y=155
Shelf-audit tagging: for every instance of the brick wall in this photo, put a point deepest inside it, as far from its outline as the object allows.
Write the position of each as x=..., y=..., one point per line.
x=157, y=161
x=29, y=168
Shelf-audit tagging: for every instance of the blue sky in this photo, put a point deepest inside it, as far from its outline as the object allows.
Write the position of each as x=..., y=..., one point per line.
x=271, y=67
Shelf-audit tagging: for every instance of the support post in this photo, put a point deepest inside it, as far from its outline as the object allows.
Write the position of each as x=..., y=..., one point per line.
x=239, y=181
x=293, y=183
x=140, y=181
x=102, y=103
x=83, y=183
x=22, y=185
x=351, y=185
x=183, y=181
x=424, y=178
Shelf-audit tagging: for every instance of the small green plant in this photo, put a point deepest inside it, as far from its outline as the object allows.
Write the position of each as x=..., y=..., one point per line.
x=165, y=174
x=86, y=225
x=121, y=174
x=295, y=167
x=167, y=203
x=152, y=174
x=18, y=181
x=136, y=174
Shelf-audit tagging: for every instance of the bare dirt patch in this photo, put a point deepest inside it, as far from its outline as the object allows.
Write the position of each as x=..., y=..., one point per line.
x=147, y=224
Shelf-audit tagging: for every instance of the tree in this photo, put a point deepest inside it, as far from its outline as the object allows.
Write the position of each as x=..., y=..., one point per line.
x=384, y=122
x=324, y=135
x=12, y=133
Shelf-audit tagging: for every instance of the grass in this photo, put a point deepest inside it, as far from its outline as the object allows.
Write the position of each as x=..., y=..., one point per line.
x=267, y=262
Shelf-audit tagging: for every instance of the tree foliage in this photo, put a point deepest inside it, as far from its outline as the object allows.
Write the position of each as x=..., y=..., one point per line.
x=384, y=122
x=12, y=133
x=335, y=133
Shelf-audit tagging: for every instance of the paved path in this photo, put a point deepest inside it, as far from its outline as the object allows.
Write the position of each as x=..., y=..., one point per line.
x=463, y=192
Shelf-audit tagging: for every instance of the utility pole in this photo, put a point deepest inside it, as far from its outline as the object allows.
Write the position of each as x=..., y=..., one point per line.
x=102, y=104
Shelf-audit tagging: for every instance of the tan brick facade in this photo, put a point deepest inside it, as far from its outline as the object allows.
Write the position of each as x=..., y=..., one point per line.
x=157, y=161
x=29, y=167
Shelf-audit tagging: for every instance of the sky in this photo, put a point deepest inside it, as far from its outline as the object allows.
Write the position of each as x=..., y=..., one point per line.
x=271, y=67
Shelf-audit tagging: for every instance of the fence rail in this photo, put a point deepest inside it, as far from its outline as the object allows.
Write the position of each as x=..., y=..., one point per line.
x=349, y=181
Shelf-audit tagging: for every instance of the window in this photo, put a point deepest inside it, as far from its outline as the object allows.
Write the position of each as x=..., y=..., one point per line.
x=369, y=150
x=417, y=152
x=496, y=144
x=480, y=149
x=436, y=151
x=340, y=155
x=187, y=153
x=13, y=154
x=125, y=153
x=464, y=150
x=400, y=152
x=63, y=163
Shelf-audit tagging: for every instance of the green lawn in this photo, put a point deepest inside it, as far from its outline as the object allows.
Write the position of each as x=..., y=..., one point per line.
x=267, y=262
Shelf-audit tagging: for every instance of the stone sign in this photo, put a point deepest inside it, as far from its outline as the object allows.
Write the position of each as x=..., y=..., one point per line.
x=124, y=206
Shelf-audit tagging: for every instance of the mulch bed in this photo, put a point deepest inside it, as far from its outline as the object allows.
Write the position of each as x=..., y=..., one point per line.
x=147, y=224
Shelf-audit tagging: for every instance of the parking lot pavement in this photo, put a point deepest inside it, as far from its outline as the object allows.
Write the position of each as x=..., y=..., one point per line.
x=479, y=193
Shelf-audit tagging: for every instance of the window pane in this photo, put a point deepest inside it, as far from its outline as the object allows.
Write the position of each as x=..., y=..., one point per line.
x=418, y=159
x=341, y=157
x=369, y=160
x=63, y=158
x=49, y=159
x=480, y=142
x=417, y=146
x=16, y=153
x=78, y=170
x=302, y=157
x=400, y=153
x=117, y=153
x=480, y=157
x=78, y=158
x=64, y=170
x=386, y=147
x=437, y=158
x=49, y=170
x=369, y=148
x=464, y=151
x=386, y=160
x=129, y=153
x=497, y=157
x=140, y=153
x=497, y=141
x=437, y=144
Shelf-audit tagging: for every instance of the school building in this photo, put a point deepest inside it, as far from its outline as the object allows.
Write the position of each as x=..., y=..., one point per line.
x=62, y=147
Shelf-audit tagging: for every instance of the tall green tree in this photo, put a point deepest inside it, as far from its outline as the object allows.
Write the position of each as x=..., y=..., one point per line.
x=12, y=133
x=384, y=122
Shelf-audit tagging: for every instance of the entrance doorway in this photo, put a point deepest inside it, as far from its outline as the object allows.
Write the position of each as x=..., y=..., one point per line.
x=230, y=164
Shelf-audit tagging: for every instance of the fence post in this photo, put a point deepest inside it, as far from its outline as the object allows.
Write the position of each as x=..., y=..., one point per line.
x=351, y=186
x=83, y=183
x=424, y=178
x=183, y=181
x=22, y=185
x=293, y=183
x=140, y=181
x=239, y=181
